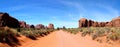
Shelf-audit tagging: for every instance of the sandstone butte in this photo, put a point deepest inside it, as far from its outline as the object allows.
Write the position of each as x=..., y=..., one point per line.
x=83, y=22
x=6, y=20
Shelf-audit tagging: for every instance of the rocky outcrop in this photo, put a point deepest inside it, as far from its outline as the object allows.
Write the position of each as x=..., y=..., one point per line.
x=51, y=26
x=40, y=26
x=22, y=24
x=27, y=26
x=83, y=22
x=116, y=22
x=101, y=24
x=90, y=23
x=109, y=24
x=6, y=20
x=32, y=26
x=95, y=24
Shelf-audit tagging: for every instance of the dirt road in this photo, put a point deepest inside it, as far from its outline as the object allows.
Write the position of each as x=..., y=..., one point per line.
x=63, y=39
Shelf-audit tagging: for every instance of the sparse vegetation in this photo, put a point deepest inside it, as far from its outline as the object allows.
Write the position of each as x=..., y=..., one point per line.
x=9, y=35
x=111, y=33
x=33, y=33
x=72, y=30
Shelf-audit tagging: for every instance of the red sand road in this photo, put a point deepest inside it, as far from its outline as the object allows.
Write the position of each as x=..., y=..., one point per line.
x=63, y=39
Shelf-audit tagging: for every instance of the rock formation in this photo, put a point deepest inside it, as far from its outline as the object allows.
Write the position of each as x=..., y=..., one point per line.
x=22, y=24
x=51, y=26
x=90, y=23
x=27, y=26
x=83, y=22
x=116, y=22
x=6, y=20
x=40, y=26
x=32, y=26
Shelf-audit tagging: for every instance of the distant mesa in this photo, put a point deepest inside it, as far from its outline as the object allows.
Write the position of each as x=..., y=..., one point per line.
x=83, y=22
x=40, y=26
x=23, y=24
x=6, y=20
x=51, y=26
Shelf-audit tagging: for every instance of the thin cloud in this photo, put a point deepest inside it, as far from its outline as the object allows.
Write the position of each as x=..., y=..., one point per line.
x=76, y=5
x=109, y=13
x=112, y=10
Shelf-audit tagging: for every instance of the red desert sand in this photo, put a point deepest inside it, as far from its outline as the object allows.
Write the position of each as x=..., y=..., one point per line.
x=62, y=39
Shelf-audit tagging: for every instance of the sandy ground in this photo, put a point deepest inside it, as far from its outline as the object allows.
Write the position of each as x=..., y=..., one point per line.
x=63, y=39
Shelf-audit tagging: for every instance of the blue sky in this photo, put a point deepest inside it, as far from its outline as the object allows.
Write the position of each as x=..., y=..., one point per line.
x=61, y=12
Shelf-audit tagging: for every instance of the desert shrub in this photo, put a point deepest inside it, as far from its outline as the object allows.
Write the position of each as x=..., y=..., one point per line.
x=99, y=33
x=94, y=37
x=58, y=28
x=8, y=35
x=80, y=29
x=115, y=35
x=29, y=34
x=84, y=33
x=72, y=30
x=33, y=33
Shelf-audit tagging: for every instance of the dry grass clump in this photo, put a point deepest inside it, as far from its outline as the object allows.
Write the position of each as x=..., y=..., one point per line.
x=111, y=33
x=9, y=36
x=72, y=30
x=114, y=34
x=33, y=33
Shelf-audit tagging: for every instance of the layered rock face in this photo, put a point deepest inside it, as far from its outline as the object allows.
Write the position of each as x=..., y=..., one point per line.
x=116, y=22
x=51, y=26
x=89, y=23
x=6, y=20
